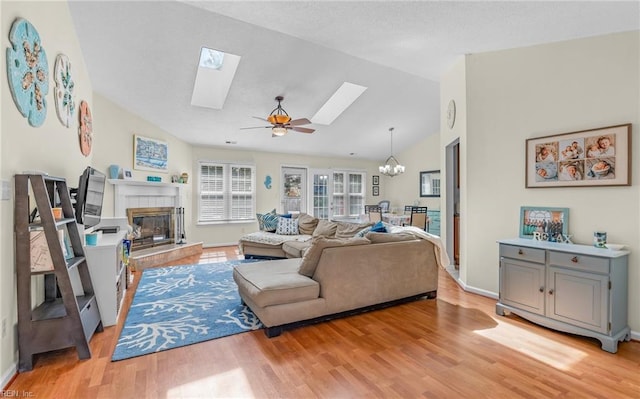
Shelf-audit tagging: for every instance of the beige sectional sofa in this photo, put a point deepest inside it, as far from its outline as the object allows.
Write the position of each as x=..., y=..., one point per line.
x=269, y=245
x=341, y=276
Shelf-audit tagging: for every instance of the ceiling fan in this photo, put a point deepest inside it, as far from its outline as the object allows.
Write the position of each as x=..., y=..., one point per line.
x=281, y=122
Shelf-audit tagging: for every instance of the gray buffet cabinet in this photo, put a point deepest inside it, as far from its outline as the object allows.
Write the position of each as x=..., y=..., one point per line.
x=577, y=289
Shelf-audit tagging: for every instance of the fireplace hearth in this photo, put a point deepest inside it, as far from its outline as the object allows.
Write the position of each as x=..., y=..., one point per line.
x=152, y=227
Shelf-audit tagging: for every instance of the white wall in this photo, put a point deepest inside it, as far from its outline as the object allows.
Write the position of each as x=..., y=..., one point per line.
x=536, y=91
x=113, y=144
x=51, y=147
x=404, y=189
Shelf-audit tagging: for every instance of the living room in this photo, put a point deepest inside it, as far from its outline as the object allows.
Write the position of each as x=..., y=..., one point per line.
x=502, y=99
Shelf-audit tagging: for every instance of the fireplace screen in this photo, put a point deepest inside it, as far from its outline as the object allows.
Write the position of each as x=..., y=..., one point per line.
x=151, y=227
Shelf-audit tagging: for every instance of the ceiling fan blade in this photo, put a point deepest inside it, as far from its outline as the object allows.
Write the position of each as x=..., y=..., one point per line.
x=301, y=121
x=302, y=129
x=262, y=119
x=256, y=127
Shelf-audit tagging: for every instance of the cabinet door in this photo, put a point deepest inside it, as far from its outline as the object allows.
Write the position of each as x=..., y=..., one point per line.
x=522, y=285
x=578, y=298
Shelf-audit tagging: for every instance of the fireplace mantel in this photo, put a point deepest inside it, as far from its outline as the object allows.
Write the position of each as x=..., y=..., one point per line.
x=144, y=194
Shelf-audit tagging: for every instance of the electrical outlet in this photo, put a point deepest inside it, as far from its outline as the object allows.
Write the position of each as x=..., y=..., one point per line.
x=4, y=327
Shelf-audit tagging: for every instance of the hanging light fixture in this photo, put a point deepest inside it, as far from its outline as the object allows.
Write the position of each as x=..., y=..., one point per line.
x=391, y=166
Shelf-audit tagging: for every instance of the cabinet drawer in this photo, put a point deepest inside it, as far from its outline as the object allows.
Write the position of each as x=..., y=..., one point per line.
x=90, y=317
x=522, y=253
x=579, y=262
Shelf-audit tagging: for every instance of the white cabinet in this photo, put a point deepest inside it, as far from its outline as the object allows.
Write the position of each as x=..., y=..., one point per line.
x=577, y=289
x=108, y=274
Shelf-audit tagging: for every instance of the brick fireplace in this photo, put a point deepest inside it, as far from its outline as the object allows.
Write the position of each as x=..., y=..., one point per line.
x=150, y=209
x=152, y=227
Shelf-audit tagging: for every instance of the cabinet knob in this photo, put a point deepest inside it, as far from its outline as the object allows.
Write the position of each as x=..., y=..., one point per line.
x=551, y=291
x=541, y=289
x=574, y=259
x=520, y=252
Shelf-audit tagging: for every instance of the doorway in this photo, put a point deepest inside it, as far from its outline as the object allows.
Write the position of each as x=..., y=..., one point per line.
x=452, y=217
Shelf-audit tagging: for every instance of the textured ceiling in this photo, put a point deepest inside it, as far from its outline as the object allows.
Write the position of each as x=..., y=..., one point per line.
x=143, y=57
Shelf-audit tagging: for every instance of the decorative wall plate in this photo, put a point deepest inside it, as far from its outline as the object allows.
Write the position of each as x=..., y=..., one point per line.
x=85, y=130
x=451, y=114
x=28, y=72
x=65, y=101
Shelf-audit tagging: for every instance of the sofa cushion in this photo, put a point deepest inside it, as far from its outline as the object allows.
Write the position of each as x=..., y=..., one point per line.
x=307, y=223
x=377, y=238
x=275, y=282
x=348, y=230
x=312, y=256
x=287, y=227
x=295, y=249
x=325, y=228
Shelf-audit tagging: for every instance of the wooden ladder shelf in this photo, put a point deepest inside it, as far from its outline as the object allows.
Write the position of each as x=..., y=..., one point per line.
x=62, y=318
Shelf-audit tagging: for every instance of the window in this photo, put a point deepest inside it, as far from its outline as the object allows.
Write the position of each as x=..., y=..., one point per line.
x=348, y=193
x=226, y=192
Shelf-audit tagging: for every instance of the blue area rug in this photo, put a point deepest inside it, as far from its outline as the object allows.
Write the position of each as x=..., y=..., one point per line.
x=182, y=305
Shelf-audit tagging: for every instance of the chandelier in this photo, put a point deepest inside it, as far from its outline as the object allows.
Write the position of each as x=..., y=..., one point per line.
x=391, y=166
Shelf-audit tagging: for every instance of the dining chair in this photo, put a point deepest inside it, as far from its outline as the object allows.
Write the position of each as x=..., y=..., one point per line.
x=419, y=217
x=407, y=209
x=374, y=212
x=385, y=205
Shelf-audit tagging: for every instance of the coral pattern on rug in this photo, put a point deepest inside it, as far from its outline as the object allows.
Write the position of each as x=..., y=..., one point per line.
x=181, y=305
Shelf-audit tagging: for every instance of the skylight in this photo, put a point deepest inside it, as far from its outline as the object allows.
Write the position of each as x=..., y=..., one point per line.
x=339, y=101
x=216, y=70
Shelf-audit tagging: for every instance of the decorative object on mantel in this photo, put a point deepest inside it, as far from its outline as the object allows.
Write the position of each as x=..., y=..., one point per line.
x=114, y=171
x=594, y=157
x=28, y=72
x=184, y=177
x=127, y=174
x=154, y=178
x=267, y=182
x=150, y=154
x=65, y=101
x=85, y=130
x=545, y=223
x=175, y=179
x=391, y=166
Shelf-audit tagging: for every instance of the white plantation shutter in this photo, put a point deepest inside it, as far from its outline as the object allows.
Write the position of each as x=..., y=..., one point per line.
x=356, y=193
x=226, y=192
x=348, y=193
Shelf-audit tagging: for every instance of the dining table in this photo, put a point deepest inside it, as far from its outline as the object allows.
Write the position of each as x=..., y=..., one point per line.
x=396, y=219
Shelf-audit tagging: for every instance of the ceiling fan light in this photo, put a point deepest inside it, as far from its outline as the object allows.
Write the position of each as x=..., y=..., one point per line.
x=278, y=119
x=279, y=131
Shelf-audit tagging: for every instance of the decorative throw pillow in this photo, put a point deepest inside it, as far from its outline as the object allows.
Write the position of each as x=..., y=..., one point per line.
x=307, y=223
x=287, y=227
x=312, y=256
x=379, y=228
x=325, y=228
x=270, y=221
x=261, y=216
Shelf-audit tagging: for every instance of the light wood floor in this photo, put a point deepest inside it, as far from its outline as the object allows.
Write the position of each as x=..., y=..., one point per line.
x=451, y=347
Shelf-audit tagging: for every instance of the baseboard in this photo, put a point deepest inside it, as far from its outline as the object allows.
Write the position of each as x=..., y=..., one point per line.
x=223, y=244
x=8, y=377
x=635, y=335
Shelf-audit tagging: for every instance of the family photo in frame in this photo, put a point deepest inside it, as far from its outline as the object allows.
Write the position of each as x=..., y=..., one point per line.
x=596, y=157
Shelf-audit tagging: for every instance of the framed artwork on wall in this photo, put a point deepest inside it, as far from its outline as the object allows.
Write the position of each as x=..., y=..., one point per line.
x=375, y=180
x=150, y=154
x=375, y=191
x=587, y=158
x=430, y=183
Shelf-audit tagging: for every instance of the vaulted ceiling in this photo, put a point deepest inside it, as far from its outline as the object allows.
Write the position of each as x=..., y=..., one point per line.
x=143, y=56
